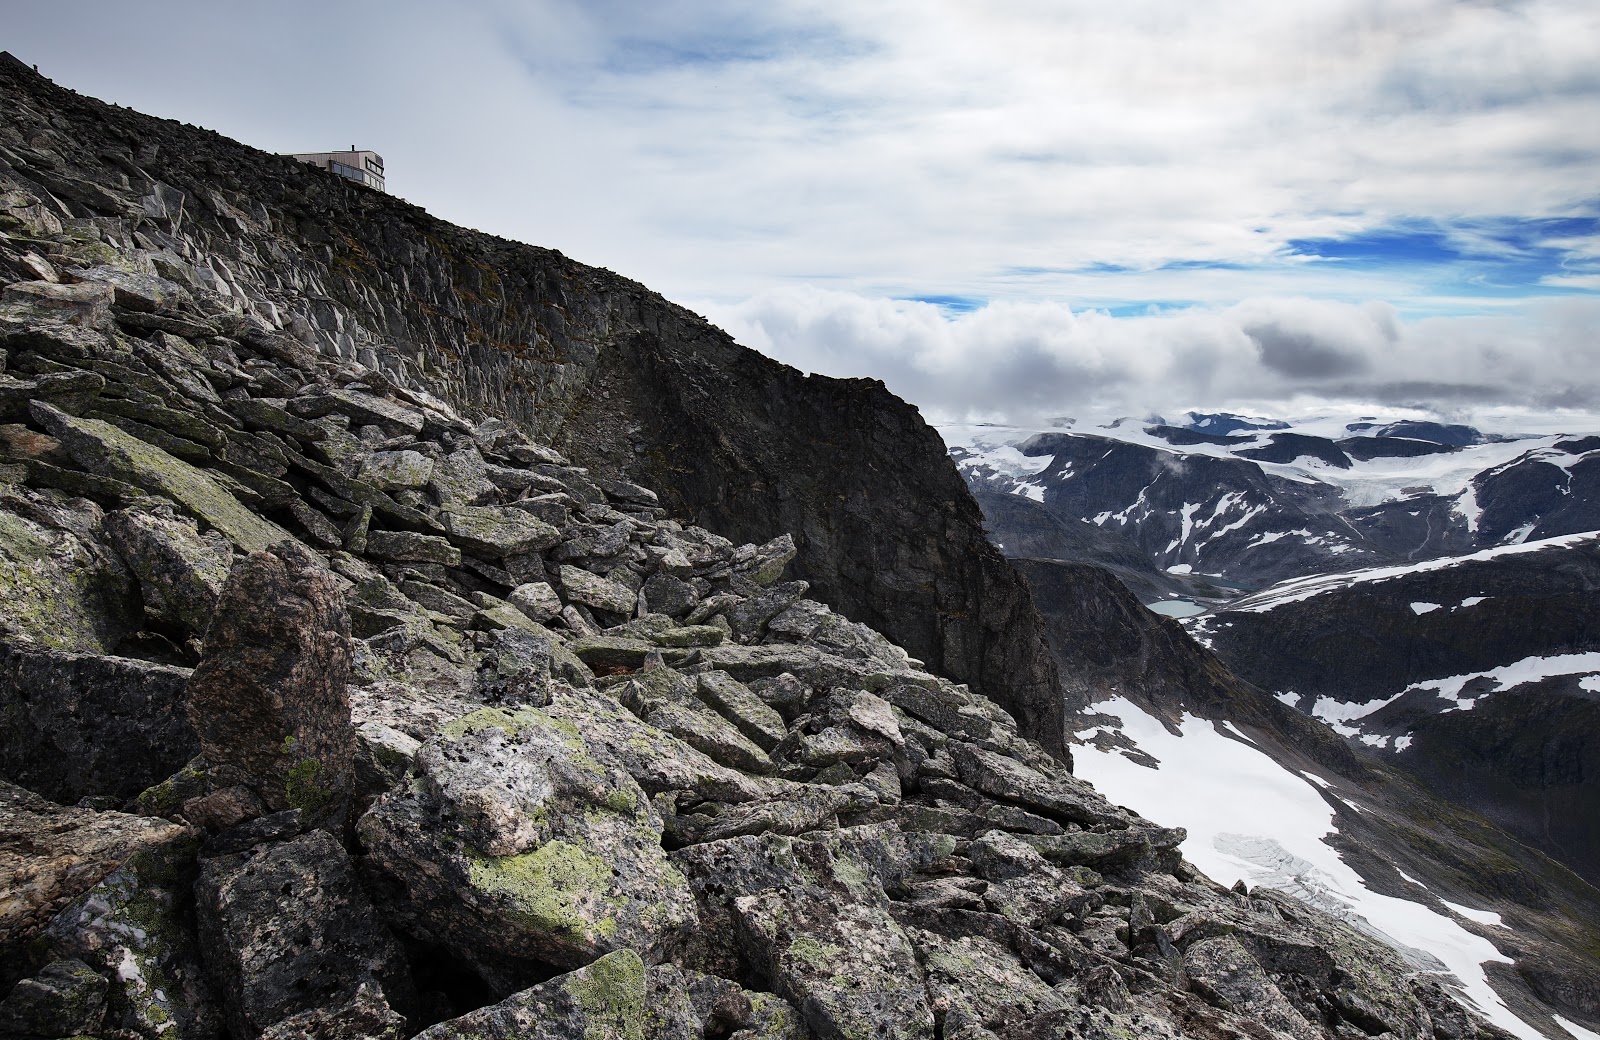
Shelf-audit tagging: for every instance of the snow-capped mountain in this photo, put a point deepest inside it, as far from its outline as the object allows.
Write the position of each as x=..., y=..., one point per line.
x=1250, y=502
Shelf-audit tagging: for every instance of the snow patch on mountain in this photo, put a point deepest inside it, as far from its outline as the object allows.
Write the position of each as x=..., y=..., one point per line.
x=1250, y=818
x=1297, y=589
x=1528, y=670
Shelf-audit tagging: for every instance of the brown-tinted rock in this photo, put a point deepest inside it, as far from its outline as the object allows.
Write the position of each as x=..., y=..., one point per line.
x=51, y=853
x=268, y=699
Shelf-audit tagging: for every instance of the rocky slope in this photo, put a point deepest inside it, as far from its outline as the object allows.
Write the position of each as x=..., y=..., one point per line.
x=336, y=710
x=606, y=371
x=1478, y=674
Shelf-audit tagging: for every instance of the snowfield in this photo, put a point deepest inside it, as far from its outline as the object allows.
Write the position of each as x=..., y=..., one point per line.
x=1249, y=818
x=1297, y=589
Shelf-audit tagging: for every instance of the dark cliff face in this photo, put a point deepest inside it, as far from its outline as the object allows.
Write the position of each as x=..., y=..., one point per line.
x=619, y=377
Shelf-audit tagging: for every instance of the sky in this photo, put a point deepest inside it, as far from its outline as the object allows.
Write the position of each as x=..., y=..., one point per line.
x=1003, y=209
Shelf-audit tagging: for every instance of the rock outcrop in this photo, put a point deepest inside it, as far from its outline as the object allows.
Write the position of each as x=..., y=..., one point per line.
x=269, y=700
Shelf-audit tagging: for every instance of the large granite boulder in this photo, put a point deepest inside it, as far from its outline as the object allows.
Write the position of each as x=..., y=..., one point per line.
x=287, y=929
x=77, y=725
x=51, y=854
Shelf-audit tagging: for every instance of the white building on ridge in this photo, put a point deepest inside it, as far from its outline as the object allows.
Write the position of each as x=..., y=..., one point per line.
x=363, y=167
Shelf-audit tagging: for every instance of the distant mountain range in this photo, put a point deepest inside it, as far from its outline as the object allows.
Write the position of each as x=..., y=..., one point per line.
x=1215, y=504
x=1424, y=600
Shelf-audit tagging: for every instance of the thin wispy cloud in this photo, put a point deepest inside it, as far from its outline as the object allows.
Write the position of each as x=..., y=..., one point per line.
x=1431, y=160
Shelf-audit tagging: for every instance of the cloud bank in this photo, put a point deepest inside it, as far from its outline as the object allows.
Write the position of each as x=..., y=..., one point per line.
x=1026, y=361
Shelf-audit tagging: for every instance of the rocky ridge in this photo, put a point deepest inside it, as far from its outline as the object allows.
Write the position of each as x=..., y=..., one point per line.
x=332, y=712
x=293, y=263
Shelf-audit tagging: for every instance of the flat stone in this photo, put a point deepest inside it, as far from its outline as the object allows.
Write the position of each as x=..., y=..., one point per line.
x=735, y=702
x=136, y=290
x=393, y=470
x=59, y=591
x=1012, y=781
x=691, y=635
x=750, y=617
x=362, y=409
x=461, y=479
x=770, y=560
x=669, y=595
x=498, y=533
x=608, y=653
x=537, y=600
x=554, y=510
x=662, y=699
x=87, y=303
x=402, y=546
x=257, y=414
x=102, y=448
x=595, y=591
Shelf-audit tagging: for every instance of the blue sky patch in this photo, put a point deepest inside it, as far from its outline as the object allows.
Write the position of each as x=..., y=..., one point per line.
x=1496, y=257
x=950, y=304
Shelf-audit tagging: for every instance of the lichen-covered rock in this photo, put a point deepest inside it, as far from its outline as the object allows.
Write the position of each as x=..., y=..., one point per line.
x=594, y=591
x=514, y=841
x=50, y=854
x=739, y=705
x=1224, y=973
x=814, y=918
x=75, y=725
x=269, y=699
x=58, y=592
x=404, y=546
x=658, y=761
x=181, y=572
x=749, y=618
x=365, y=1016
x=605, y=1000
x=537, y=600
x=287, y=929
x=497, y=533
x=135, y=929
x=395, y=470
x=88, y=303
x=1063, y=796
x=102, y=448
x=67, y=998
x=661, y=698
x=669, y=595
